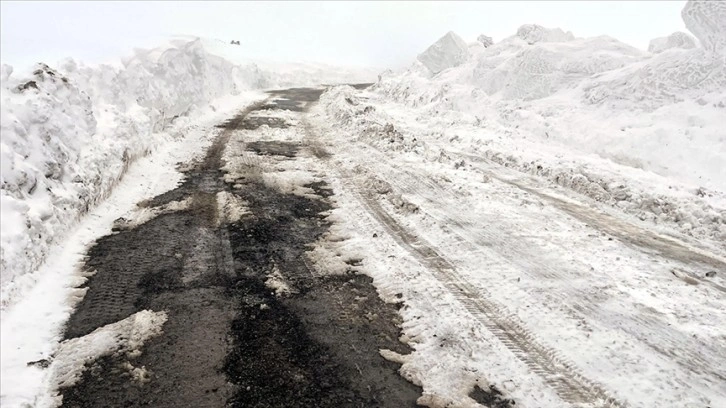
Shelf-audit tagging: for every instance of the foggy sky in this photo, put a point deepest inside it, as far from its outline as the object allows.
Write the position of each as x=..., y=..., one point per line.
x=380, y=34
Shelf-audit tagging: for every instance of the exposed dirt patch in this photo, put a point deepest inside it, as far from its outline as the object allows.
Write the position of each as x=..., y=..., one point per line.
x=252, y=123
x=325, y=338
x=295, y=99
x=492, y=398
x=274, y=148
x=298, y=94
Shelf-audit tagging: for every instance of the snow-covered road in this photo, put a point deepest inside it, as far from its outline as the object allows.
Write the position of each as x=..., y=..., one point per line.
x=305, y=258
x=540, y=291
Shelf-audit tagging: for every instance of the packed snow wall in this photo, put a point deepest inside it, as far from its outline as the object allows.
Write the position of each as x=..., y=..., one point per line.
x=69, y=133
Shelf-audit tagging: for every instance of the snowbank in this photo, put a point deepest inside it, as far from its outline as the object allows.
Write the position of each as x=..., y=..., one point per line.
x=68, y=135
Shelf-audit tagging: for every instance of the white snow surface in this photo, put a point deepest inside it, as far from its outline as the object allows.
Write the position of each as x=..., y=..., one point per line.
x=69, y=133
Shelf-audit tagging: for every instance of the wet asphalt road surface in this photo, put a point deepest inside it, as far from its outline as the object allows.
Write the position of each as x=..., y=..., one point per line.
x=229, y=339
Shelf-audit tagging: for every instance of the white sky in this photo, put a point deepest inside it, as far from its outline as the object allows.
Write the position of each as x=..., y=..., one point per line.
x=381, y=34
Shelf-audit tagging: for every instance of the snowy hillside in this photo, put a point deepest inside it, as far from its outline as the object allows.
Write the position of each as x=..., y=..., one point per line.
x=643, y=130
x=70, y=132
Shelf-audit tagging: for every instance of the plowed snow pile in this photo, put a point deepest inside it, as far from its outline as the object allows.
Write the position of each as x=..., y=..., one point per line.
x=641, y=131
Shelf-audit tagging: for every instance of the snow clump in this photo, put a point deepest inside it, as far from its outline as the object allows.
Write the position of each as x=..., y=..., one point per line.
x=449, y=51
x=533, y=33
x=675, y=40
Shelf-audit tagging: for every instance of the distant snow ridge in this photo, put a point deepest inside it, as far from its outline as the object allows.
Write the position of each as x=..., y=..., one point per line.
x=68, y=135
x=449, y=51
x=707, y=21
x=533, y=33
x=485, y=40
x=662, y=80
x=539, y=70
x=675, y=40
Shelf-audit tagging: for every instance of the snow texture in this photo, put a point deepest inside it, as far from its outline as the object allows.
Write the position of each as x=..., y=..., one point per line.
x=449, y=51
x=707, y=21
x=675, y=40
x=698, y=213
x=533, y=33
x=485, y=40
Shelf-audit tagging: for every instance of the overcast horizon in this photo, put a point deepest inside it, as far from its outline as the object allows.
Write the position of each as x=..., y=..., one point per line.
x=373, y=34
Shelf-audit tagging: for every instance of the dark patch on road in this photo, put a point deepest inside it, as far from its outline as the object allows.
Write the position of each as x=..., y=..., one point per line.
x=229, y=340
x=299, y=94
x=321, y=188
x=492, y=398
x=295, y=99
x=274, y=148
x=254, y=122
x=362, y=85
x=285, y=104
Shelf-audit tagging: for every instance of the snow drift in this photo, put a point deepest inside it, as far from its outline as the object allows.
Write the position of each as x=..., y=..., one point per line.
x=68, y=134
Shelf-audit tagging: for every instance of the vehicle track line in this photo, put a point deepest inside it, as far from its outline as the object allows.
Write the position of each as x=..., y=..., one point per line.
x=556, y=370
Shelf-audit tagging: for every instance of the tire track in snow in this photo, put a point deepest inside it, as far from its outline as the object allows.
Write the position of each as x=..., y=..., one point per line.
x=556, y=370
x=642, y=327
x=626, y=232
